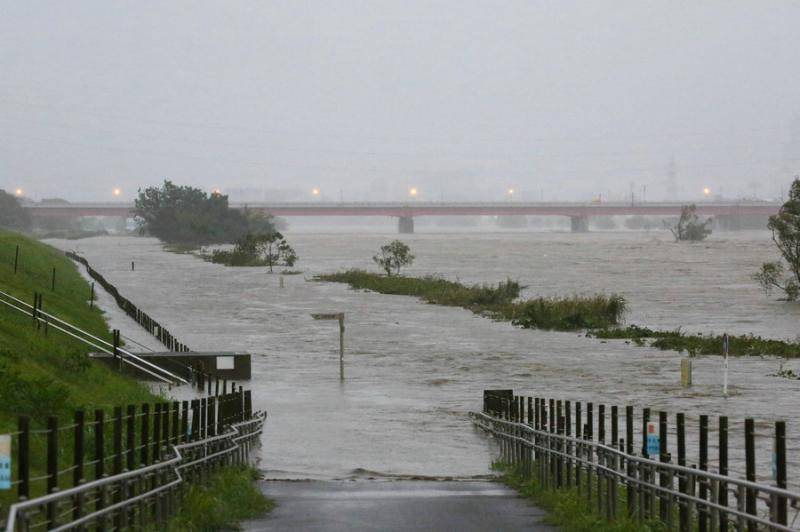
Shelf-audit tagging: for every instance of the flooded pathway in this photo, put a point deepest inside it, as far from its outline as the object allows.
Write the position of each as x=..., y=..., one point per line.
x=415, y=370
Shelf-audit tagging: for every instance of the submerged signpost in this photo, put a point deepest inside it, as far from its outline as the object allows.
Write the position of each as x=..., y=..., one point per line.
x=340, y=317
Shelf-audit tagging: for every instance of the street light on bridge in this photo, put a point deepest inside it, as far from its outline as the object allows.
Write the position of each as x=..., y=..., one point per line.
x=315, y=192
x=117, y=192
x=18, y=192
x=413, y=192
x=706, y=192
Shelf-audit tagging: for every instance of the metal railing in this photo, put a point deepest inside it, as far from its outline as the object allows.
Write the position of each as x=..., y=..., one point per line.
x=49, y=321
x=620, y=483
x=145, y=495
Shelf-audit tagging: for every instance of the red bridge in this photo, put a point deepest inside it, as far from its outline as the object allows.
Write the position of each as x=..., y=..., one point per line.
x=579, y=213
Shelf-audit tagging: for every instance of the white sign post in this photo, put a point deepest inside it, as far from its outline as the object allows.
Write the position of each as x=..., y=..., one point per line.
x=340, y=317
x=725, y=373
x=5, y=462
x=653, y=440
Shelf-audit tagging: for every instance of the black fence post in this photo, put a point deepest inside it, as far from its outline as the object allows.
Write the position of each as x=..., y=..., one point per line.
x=53, y=282
x=52, y=467
x=91, y=296
x=723, y=470
x=145, y=435
x=702, y=510
x=630, y=491
x=16, y=259
x=78, y=448
x=195, y=431
x=176, y=420
x=750, y=469
x=683, y=506
x=184, y=422
x=99, y=445
x=156, y=432
x=781, y=514
x=24, y=457
x=165, y=426
x=131, y=437
x=664, y=479
x=118, y=463
x=212, y=416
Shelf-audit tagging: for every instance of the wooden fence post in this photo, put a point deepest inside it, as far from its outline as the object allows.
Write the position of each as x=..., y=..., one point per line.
x=23, y=457
x=52, y=467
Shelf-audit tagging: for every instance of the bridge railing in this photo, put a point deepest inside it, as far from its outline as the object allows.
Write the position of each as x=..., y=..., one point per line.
x=137, y=477
x=536, y=440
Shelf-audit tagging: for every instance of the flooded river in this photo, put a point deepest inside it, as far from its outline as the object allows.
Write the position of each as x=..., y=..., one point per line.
x=413, y=370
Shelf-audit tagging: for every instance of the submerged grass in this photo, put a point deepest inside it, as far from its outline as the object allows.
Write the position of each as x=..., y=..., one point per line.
x=700, y=344
x=228, y=497
x=569, y=510
x=499, y=301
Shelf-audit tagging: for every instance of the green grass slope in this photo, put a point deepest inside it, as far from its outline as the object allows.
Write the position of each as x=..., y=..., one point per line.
x=50, y=374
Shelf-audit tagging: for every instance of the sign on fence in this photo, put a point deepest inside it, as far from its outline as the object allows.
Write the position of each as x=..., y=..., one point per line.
x=653, y=444
x=5, y=462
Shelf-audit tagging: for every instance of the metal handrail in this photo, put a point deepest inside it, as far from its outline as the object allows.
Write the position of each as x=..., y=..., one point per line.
x=127, y=354
x=172, y=464
x=505, y=428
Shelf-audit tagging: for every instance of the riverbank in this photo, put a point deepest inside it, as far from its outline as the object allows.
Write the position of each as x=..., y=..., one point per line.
x=495, y=301
x=47, y=373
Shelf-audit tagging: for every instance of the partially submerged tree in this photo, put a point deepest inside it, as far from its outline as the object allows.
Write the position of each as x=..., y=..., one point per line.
x=689, y=226
x=12, y=214
x=258, y=249
x=277, y=251
x=394, y=256
x=785, y=227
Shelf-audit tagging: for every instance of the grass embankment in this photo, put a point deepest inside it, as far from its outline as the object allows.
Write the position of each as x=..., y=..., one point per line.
x=50, y=374
x=229, y=496
x=569, y=510
x=498, y=302
x=700, y=344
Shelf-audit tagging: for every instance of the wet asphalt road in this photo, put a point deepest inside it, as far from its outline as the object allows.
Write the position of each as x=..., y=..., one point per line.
x=464, y=506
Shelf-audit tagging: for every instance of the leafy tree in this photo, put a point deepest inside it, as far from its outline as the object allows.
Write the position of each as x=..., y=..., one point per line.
x=785, y=227
x=258, y=249
x=276, y=250
x=689, y=226
x=394, y=256
x=12, y=214
x=188, y=215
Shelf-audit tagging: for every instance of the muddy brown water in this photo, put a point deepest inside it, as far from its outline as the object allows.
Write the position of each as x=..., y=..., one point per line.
x=413, y=370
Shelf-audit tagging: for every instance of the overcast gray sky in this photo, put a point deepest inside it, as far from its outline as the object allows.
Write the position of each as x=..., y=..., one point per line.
x=462, y=99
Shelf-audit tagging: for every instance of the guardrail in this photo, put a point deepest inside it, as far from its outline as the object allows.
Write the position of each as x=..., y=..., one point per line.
x=536, y=438
x=141, y=480
x=48, y=321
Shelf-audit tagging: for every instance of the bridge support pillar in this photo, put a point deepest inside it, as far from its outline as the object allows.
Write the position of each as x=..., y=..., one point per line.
x=405, y=225
x=579, y=224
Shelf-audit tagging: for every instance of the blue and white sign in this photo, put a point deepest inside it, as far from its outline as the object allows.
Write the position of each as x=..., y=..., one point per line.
x=5, y=462
x=653, y=443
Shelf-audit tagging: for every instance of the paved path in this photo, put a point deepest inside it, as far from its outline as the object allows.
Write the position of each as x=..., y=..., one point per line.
x=400, y=505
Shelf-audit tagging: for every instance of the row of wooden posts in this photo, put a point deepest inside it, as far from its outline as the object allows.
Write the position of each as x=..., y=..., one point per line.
x=560, y=460
x=142, y=318
x=171, y=423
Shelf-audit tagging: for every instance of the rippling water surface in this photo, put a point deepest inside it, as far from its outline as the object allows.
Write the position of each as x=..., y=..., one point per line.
x=413, y=370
